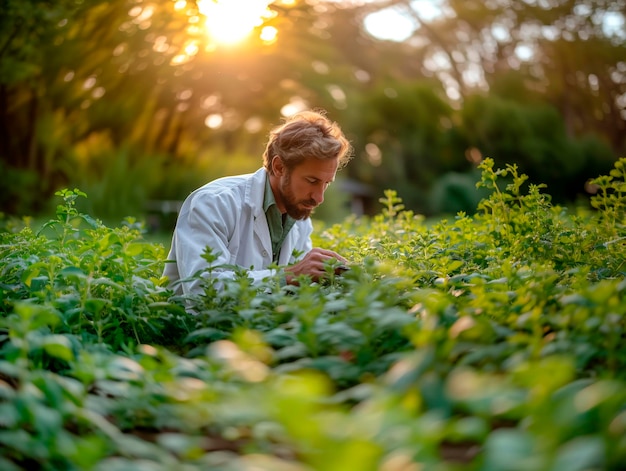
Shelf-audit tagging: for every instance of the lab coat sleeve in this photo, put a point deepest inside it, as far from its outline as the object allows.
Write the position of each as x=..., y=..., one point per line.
x=210, y=220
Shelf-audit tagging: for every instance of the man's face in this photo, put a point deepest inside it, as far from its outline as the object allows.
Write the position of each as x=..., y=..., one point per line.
x=299, y=191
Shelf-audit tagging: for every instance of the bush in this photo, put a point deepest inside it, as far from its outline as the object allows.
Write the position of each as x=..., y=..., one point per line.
x=488, y=342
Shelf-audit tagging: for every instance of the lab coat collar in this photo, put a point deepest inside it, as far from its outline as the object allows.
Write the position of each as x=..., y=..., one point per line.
x=255, y=190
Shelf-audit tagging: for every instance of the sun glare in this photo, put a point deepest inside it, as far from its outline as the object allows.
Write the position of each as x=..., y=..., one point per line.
x=229, y=22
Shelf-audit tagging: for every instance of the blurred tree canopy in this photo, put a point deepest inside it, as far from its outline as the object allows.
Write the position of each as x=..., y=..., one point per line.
x=132, y=100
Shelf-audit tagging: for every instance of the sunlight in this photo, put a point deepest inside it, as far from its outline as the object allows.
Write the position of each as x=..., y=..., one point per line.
x=394, y=24
x=229, y=22
x=295, y=105
x=268, y=34
x=389, y=24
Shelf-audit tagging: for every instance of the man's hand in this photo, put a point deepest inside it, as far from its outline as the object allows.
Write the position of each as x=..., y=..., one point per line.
x=313, y=264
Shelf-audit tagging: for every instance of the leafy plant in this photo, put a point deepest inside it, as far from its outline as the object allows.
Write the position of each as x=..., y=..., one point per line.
x=480, y=343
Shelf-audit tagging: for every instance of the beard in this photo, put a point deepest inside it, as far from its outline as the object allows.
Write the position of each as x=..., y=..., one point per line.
x=292, y=205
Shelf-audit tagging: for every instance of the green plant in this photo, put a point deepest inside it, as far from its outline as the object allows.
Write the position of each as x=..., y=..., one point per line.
x=485, y=342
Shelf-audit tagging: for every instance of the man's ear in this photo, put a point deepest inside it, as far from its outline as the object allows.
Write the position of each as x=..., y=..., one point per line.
x=278, y=166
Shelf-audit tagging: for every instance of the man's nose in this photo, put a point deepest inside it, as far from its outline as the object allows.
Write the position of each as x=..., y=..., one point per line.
x=318, y=196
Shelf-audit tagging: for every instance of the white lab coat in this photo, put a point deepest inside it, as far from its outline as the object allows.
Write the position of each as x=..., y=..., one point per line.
x=227, y=215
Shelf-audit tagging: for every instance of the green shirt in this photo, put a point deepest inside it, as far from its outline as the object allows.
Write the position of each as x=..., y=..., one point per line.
x=279, y=224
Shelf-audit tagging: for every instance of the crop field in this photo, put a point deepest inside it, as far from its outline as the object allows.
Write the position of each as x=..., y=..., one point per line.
x=490, y=342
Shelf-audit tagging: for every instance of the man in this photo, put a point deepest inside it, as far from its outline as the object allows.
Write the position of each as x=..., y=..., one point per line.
x=262, y=218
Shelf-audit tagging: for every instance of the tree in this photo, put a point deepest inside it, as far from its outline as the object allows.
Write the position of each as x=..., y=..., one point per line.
x=85, y=85
x=569, y=51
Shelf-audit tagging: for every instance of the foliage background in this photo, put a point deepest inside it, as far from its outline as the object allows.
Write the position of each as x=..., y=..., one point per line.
x=113, y=97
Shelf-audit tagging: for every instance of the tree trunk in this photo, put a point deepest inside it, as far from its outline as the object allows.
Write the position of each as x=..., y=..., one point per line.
x=30, y=135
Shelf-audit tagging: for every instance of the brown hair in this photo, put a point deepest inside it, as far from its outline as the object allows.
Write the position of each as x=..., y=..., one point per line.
x=305, y=135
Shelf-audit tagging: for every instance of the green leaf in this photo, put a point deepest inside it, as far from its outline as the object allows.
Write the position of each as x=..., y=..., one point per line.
x=58, y=346
x=580, y=454
x=72, y=272
x=136, y=248
x=6, y=465
x=9, y=415
x=168, y=307
x=95, y=305
x=279, y=337
x=107, y=282
x=511, y=450
x=454, y=265
x=9, y=369
x=31, y=272
x=125, y=369
x=208, y=334
x=91, y=222
x=24, y=443
x=37, y=315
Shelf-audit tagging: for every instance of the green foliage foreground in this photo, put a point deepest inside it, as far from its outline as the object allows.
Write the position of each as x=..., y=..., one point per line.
x=489, y=343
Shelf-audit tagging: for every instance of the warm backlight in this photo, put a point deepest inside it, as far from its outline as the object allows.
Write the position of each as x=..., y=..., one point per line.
x=231, y=21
